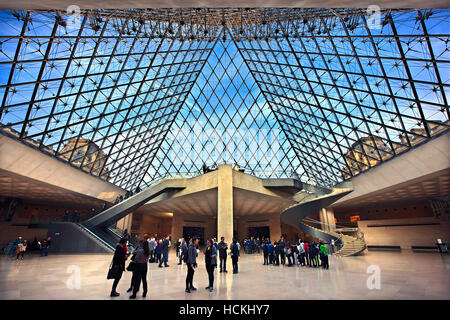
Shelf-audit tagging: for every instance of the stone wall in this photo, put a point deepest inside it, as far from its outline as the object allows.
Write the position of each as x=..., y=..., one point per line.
x=405, y=232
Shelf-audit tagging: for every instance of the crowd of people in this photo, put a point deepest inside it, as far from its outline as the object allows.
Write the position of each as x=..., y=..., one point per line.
x=19, y=246
x=156, y=250
x=301, y=253
x=252, y=245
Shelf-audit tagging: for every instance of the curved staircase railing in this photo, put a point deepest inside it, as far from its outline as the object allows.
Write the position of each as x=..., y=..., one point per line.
x=312, y=201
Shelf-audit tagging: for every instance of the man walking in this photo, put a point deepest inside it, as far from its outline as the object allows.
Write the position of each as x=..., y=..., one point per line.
x=223, y=254
x=165, y=252
x=191, y=261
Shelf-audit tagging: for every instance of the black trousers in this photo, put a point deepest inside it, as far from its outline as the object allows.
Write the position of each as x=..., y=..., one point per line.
x=116, y=281
x=271, y=258
x=164, y=258
x=289, y=259
x=223, y=263
x=308, y=259
x=140, y=274
x=277, y=259
x=210, y=270
x=133, y=280
x=325, y=262
x=283, y=257
x=302, y=258
x=190, y=276
x=266, y=258
x=235, y=259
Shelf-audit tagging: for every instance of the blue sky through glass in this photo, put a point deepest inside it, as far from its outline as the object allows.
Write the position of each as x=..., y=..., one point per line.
x=282, y=106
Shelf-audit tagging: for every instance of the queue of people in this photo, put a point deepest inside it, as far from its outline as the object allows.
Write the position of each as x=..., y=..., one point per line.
x=302, y=253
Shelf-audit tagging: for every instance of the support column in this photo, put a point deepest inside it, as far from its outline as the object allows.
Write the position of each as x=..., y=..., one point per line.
x=177, y=227
x=275, y=227
x=327, y=216
x=225, y=203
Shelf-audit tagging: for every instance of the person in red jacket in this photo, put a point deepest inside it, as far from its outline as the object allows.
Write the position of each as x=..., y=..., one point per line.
x=126, y=249
x=306, y=245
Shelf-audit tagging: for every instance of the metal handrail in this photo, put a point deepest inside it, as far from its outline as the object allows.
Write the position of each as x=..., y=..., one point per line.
x=119, y=233
x=323, y=223
x=95, y=236
x=337, y=228
x=340, y=234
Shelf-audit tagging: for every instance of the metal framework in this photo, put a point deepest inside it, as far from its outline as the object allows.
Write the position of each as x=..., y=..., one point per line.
x=161, y=91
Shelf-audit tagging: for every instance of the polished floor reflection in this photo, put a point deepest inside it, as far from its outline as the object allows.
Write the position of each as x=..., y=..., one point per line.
x=404, y=275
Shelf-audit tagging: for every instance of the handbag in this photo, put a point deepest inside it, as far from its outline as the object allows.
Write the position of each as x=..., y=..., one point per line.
x=113, y=272
x=132, y=266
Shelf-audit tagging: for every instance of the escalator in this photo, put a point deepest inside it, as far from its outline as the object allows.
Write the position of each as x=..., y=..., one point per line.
x=120, y=210
x=101, y=224
x=96, y=235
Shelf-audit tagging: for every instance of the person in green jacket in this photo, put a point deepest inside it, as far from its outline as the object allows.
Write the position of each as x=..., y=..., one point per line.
x=323, y=251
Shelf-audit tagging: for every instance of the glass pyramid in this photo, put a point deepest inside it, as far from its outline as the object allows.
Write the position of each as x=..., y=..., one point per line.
x=321, y=95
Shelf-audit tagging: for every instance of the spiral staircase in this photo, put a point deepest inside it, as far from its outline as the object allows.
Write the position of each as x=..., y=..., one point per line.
x=311, y=200
x=349, y=245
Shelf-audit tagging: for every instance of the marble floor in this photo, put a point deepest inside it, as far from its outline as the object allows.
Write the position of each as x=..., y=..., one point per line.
x=404, y=275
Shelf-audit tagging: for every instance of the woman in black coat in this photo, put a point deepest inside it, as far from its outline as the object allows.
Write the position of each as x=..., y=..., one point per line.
x=210, y=263
x=119, y=262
